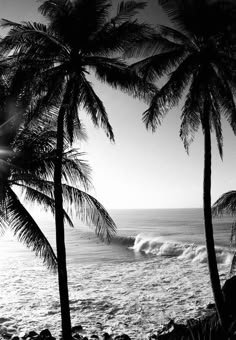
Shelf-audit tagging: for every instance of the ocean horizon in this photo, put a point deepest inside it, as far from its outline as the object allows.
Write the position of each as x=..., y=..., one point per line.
x=154, y=270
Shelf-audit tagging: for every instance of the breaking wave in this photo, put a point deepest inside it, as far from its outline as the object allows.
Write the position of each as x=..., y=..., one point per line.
x=183, y=251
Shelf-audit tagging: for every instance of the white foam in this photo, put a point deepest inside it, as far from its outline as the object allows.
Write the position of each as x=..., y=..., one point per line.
x=162, y=247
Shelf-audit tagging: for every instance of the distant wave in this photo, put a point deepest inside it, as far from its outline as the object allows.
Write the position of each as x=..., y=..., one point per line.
x=184, y=251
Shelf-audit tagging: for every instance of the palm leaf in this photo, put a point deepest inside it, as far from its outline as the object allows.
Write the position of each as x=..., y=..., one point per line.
x=156, y=66
x=115, y=40
x=127, y=10
x=226, y=204
x=115, y=73
x=88, y=99
x=190, y=117
x=169, y=95
x=90, y=212
x=216, y=119
x=35, y=192
x=27, y=230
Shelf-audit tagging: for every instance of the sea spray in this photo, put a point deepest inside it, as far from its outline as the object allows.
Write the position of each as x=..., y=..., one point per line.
x=160, y=246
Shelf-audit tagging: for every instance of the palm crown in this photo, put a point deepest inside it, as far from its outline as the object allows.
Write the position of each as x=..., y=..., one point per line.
x=30, y=167
x=80, y=37
x=197, y=61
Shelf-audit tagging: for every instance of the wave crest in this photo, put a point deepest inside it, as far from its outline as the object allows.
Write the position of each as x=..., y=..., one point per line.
x=183, y=251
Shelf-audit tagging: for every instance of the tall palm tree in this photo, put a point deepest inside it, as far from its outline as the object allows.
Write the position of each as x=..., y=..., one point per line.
x=80, y=37
x=195, y=61
x=30, y=167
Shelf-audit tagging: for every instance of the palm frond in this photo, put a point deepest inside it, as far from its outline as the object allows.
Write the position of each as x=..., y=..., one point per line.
x=156, y=66
x=116, y=73
x=226, y=204
x=176, y=37
x=114, y=40
x=88, y=99
x=193, y=17
x=216, y=119
x=126, y=10
x=225, y=97
x=21, y=36
x=90, y=212
x=27, y=230
x=177, y=11
x=154, y=115
x=190, y=117
x=42, y=193
x=74, y=28
x=75, y=170
x=169, y=95
x=3, y=222
x=151, y=44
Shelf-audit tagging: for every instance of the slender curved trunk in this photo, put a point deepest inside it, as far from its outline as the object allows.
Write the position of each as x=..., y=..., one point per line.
x=60, y=233
x=212, y=263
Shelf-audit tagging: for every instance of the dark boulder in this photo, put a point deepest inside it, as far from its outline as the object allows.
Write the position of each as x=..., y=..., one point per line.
x=76, y=329
x=122, y=337
x=76, y=336
x=229, y=292
x=211, y=306
x=173, y=331
x=45, y=334
x=106, y=336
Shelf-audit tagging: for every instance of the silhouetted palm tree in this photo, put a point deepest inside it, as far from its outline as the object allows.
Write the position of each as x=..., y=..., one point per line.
x=81, y=37
x=13, y=213
x=30, y=166
x=195, y=58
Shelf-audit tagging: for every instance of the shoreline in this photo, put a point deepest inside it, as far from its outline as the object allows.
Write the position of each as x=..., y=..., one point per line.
x=80, y=333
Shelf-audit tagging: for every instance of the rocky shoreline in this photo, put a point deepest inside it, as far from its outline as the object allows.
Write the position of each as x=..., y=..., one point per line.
x=170, y=331
x=76, y=333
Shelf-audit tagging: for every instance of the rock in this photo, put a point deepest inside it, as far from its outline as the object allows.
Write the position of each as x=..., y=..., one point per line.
x=211, y=306
x=45, y=333
x=76, y=336
x=173, y=331
x=106, y=336
x=153, y=337
x=77, y=329
x=122, y=337
x=6, y=336
x=229, y=292
x=32, y=333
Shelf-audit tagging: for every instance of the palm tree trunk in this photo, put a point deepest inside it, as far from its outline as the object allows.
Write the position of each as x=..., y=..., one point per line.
x=212, y=263
x=60, y=233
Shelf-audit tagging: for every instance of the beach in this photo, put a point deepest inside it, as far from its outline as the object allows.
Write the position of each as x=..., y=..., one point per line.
x=154, y=271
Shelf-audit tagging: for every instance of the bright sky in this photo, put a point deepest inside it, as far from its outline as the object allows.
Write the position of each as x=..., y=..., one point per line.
x=144, y=170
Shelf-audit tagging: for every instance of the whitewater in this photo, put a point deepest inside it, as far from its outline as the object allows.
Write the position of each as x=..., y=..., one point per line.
x=155, y=270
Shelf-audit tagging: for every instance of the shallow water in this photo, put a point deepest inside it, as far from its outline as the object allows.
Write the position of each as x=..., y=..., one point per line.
x=156, y=269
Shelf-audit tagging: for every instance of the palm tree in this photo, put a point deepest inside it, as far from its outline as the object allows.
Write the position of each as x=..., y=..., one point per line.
x=13, y=213
x=30, y=167
x=80, y=37
x=195, y=61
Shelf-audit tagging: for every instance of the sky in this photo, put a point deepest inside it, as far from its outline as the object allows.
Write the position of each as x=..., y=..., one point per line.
x=143, y=170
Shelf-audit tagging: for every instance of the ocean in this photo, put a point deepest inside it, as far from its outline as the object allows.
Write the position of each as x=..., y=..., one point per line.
x=154, y=270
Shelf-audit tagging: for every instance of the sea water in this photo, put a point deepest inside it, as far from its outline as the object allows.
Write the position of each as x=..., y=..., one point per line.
x=154, y=270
